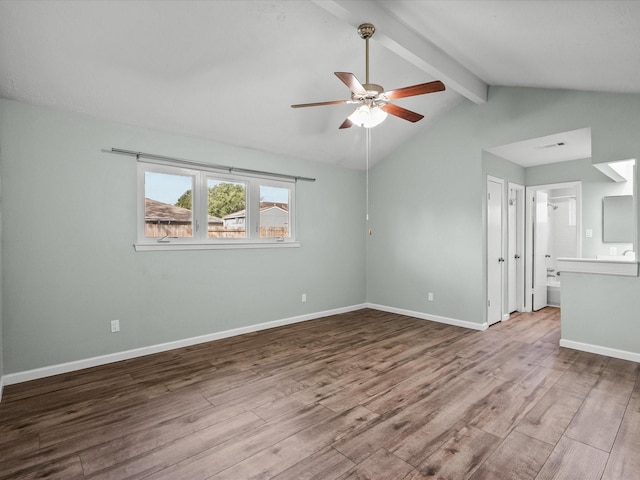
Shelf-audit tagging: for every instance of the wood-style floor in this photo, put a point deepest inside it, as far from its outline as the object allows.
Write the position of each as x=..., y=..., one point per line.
x=363, y=395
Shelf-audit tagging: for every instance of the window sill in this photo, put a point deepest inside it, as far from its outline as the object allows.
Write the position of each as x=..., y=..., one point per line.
x=148, y=247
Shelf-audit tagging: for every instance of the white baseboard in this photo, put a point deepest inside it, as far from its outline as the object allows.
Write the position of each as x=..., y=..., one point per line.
x=34, y=374
x=606, y=351
x=428, y=316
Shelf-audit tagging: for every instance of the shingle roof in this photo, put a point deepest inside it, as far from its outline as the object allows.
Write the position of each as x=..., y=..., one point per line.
x=155, y=211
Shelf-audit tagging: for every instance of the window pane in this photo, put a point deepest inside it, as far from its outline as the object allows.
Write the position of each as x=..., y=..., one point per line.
x=167, y=205
x=226, y=208
x=274, y=212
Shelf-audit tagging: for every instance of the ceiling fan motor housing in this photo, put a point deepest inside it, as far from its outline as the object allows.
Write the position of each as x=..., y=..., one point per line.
x=373, y=93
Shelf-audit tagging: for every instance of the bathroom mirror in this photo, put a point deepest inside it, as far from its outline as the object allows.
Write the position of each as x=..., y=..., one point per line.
x=617, y=219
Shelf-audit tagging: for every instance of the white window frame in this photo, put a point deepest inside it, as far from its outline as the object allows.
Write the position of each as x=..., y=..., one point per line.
x=269, y=182
x=199, y=198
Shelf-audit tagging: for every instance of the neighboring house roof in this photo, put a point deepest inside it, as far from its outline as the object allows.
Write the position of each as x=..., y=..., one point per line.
x=155, y=211
x=275, y=207
x=264, y=206
x=282, y=206
x=239, y=214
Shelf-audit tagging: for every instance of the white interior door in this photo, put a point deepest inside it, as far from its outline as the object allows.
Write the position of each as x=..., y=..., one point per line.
x=512, y=248
x=515, y=248
x=495, y=258
x=540, y=250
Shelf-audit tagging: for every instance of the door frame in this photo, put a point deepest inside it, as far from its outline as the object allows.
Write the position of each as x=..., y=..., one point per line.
x=519, y=231
x=529, y=224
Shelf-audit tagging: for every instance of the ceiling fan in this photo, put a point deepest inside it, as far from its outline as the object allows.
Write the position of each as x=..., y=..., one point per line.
x=373, y=100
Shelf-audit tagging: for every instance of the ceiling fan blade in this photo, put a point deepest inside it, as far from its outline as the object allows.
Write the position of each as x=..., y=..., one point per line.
x=318, y=104
x=420, y=89
x=350, y=80
x=401, y=112
x=346, y=124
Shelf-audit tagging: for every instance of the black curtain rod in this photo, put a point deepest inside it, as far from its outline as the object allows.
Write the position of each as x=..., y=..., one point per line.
x=163, y=160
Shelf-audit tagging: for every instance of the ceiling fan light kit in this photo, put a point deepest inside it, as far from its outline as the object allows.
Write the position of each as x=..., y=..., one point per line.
x=367, y=117
x=373, y=100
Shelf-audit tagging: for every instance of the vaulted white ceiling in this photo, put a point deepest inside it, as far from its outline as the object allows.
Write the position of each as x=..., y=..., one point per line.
x=229, y=70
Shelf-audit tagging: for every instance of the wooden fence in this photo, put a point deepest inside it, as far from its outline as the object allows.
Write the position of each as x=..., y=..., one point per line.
x=185, y=230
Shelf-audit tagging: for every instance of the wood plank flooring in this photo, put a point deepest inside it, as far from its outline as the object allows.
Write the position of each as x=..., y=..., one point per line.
x=363, y=395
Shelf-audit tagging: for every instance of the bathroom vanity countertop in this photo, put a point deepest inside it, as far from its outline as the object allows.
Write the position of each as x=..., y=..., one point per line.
x=621, y=267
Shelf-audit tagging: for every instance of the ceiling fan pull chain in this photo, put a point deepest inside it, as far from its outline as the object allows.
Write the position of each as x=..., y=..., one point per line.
x=367, y=154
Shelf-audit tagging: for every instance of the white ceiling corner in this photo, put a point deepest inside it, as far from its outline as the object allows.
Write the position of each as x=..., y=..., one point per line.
x=228, y=70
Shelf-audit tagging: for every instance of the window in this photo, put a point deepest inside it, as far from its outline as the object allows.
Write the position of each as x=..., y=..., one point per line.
x=194, y=208
x=275, y=217
x=167, y=211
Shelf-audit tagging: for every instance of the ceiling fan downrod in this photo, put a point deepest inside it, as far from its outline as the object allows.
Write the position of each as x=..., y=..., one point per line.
x=366, y=31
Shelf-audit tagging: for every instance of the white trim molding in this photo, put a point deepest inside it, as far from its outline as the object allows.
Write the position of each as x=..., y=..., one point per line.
x=48, y=371
x=150, y=247
x=598, y=266
x=75, y=365
x=600, y=350
x=428, y=316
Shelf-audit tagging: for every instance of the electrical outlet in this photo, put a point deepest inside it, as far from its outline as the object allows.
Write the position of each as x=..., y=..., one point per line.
x=589, y=233
x=304, y=297
x=430, y=296
x=115, y=326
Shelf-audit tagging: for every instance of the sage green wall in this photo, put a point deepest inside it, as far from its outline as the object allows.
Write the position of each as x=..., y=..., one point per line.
x=1, y=273
x=595, y=186
x=69, y=217
x=69, y=224
x=427, y=198
x=602, y=310
x=504, y=169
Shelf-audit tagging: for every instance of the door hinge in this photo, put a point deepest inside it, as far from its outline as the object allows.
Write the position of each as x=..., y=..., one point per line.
x=488, y=303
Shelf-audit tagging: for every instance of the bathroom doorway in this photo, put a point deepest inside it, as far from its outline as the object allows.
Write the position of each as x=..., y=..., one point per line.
x=553, y=231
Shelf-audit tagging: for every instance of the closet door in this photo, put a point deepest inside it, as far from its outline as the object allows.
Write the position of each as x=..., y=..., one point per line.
x=495, y=251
